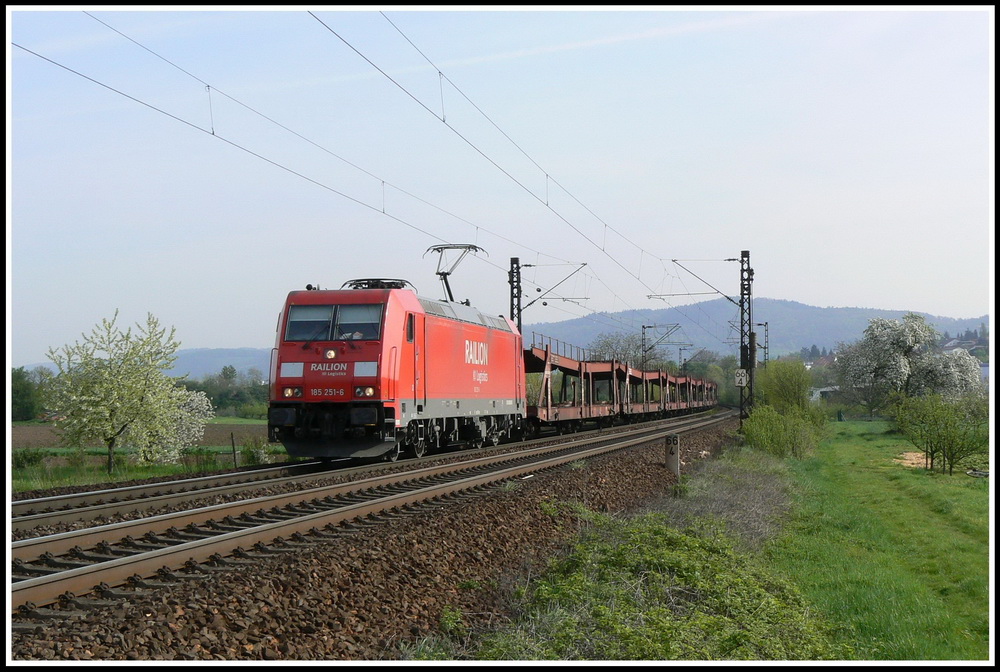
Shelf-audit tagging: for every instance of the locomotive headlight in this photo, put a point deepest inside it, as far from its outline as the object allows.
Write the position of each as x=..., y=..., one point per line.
x=364, y=391
x=330, y=354
x=292, y=392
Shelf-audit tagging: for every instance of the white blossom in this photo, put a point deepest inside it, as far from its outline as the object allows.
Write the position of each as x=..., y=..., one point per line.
x=112, y=387
x=899, y=356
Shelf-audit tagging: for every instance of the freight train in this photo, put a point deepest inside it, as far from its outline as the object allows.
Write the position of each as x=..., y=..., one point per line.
x=374, y=370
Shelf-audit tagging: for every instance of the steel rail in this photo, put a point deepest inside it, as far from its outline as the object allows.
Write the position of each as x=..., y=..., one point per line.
x=23, y=508
x=84, y=579
x=63, y=542
x=110, y=502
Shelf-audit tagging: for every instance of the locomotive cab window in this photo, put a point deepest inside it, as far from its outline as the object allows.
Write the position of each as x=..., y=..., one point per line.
x=334, y=323
x=359, y=322
x=309, y=323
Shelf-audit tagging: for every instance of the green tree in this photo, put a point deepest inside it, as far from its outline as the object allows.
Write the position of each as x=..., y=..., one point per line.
x=24, y=395
x=112, y=387
x=947, y=430
x=784, y=385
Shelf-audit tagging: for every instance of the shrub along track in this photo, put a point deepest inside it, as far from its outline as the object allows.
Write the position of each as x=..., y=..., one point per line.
x=361, y=597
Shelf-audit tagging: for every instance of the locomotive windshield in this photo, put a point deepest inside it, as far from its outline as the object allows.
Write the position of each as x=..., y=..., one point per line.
x=334, y=323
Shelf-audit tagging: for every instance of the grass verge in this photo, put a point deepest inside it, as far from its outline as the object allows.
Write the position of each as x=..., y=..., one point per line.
x=898, y=557
x=842, y=555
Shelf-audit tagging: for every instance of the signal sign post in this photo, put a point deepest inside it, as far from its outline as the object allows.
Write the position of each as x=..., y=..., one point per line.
x=742, y=378
x=673, y=453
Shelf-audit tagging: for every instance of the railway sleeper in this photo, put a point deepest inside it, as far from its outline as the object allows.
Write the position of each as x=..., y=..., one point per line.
x=304, y=509
x=104, y=548
x=138, y=546
x=91, y=556
x=227, y=527
x=52, y=561
x=261, y=553
x=189, y=533
x=168, y=540
x=264, y=517
x=107, y=592
x=176, y=577
x=327, y=532
x=298, y=540
x=218, y=561
x=137, y=581
x=71, y=601
x=277, y=545
x=31, y=570
x=48, y=614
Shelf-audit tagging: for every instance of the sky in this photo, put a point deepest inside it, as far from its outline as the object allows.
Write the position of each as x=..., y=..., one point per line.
x=199, y=165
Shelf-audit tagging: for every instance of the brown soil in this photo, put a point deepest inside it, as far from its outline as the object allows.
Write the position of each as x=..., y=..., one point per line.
x=914, y=459
x=45, y=436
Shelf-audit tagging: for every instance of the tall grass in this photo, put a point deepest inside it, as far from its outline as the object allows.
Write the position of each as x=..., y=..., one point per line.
x=898, y=557
x=63, y=467
x=60, y=468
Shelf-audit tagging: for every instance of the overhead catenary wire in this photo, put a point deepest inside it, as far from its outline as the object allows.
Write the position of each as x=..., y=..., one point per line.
x=382, y=181
x=214, y=132
x=548, y=177
x=481, y=152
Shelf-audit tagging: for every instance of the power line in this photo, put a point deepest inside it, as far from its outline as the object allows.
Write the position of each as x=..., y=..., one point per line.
x=212, y=131
x=485, y=156
x=548, y=177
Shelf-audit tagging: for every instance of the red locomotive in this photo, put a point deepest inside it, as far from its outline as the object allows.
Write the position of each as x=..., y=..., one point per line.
x=374, y=370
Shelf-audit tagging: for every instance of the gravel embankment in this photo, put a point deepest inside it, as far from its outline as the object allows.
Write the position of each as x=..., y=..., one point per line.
x=360, y=597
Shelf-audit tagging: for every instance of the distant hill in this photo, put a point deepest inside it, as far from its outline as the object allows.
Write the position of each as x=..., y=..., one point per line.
x=200, y=362
x=713, y=325
x=196, y=363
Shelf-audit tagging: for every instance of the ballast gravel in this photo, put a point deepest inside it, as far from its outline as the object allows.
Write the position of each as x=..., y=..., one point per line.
x=365, y=594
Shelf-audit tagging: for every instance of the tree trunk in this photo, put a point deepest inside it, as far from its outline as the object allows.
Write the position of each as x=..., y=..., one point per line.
x=111, y=453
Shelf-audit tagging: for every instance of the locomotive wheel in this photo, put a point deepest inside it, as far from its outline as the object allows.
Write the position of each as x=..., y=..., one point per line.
x=392, y=454
x=419, y=449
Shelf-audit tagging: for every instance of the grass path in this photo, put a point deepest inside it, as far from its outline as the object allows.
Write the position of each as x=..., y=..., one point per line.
x=898, y=556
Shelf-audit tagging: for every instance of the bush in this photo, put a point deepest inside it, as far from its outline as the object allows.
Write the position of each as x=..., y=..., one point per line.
x=198, y=459
x=796, y=433
x=23, y=458
x=252, y=411
x=254, y=450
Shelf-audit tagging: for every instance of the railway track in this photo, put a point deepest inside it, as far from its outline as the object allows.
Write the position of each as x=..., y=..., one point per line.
x=45, y=512
x=87, y=568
